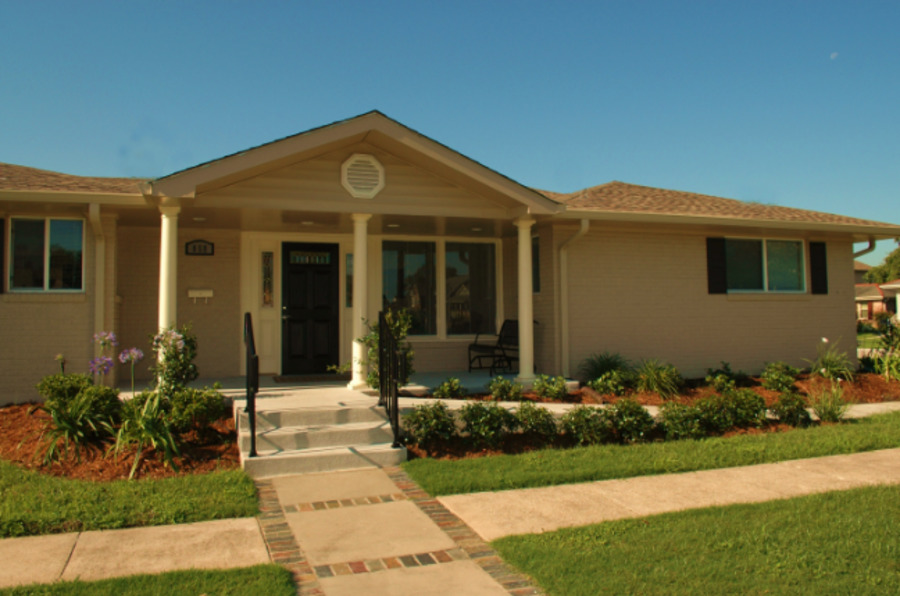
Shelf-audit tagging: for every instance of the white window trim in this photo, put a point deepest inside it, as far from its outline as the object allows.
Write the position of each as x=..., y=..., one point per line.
x=765, y=262
x=440, y=260
x=46, y=288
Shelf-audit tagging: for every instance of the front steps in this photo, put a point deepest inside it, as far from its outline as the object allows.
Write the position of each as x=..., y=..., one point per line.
x=298, y=440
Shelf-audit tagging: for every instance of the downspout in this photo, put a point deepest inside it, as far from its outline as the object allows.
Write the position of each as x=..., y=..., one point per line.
x=99, y=272
x=867, y=249
x=564, y=294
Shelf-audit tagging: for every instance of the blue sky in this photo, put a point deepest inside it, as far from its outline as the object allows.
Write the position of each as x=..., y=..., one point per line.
x=790, y=103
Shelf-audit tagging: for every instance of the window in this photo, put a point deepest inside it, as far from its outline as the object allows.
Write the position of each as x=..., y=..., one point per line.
x=764, y=265
x=471, y=290
x=46, y=254
x=408, y=281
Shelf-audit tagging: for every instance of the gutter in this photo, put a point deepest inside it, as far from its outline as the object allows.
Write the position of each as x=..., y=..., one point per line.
x=867, y=249
x=564, y=294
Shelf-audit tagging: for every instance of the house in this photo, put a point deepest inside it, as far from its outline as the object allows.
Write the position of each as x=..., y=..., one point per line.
x=315, y=233
x=859, y=271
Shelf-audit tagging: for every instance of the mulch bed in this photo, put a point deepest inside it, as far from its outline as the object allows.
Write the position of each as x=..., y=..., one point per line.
x=21, y=427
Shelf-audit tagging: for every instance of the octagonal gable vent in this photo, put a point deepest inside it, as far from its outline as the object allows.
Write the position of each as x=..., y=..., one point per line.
x=362, y=175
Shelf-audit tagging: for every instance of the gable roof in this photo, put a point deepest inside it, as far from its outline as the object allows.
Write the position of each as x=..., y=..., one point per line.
x=868, y=292
x=13, y=177
x=860, y=266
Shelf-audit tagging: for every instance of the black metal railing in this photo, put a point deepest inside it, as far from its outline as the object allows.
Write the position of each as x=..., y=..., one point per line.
x=252, y=362
x=391, y=363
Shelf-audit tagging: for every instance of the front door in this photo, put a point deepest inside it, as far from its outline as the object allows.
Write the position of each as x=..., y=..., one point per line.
x=309, y=308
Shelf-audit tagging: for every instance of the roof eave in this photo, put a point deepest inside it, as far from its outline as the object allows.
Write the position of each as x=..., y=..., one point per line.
x=73, y=197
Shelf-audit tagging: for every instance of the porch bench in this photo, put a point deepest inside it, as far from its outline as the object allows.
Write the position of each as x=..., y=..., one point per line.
x=501, y=354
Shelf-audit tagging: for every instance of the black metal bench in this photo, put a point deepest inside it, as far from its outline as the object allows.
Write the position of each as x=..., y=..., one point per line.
x=500, y=355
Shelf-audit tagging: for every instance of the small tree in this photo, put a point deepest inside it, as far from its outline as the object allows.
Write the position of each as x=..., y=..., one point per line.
x=399, y=322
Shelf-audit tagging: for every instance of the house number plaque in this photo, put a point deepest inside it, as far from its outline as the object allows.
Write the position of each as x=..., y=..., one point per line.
x=199, y=248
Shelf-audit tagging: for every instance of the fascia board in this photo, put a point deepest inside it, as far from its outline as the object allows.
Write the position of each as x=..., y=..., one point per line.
x=31, y=196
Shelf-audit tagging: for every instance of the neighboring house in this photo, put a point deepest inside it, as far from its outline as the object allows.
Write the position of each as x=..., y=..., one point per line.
x=316, y=232
x=859, y=271
x=870, y=301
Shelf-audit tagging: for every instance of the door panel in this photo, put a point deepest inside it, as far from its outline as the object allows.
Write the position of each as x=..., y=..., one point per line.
x=310, y=307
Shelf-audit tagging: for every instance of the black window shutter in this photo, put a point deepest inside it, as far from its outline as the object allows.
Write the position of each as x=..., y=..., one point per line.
x=715, y=266
x=818, y=268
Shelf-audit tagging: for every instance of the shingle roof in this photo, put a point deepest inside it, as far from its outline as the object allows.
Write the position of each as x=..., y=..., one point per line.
x=868, y=292
x=860, y=266
x=13, y=177
x=620, y=197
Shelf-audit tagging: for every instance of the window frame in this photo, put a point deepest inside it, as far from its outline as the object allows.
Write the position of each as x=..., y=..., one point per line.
x=804, y=257
x=440, y=263
x=10, y=256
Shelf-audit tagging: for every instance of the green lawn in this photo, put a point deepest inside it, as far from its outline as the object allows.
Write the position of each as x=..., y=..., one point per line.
x=33, y=503
x=270, y=580
x=868, y=340
x=605, y=462
x=843, y=542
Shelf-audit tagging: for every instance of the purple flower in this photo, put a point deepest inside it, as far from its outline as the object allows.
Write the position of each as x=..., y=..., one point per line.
x=131, y=355
x=106, y=339
x=101, y=365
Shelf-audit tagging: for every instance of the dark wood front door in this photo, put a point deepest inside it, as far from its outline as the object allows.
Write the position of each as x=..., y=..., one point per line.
x=309, y=307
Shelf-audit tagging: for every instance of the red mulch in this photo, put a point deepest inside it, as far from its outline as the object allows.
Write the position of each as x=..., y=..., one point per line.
x=21, y=427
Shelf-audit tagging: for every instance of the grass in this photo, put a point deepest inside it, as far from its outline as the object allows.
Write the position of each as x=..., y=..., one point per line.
x=868, y=340
x=262, y=579
x=32, y=503
x=842, y=542
x=605, y=462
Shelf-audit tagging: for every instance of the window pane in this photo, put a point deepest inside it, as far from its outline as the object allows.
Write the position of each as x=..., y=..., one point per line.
x=784, y=259
x=408, y=280
x=65, y=254
x=27, y=260
x=743, y=264
x=471, y=293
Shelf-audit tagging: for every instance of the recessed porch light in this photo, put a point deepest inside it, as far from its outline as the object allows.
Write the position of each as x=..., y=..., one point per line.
x=199, y=219
x=307, y=223
x=476, y=229
x=393, y=225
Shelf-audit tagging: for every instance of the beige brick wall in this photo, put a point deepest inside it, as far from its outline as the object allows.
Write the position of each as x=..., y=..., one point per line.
x=217, y=322
x=644, y=295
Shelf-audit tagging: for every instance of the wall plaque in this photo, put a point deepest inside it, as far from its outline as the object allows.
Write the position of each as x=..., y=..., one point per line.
x=199, y=248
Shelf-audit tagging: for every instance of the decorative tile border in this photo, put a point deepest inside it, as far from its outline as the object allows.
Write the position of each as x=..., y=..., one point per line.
x=280, y=541
x=470, y=545
x=321, y=505
x=374, y=565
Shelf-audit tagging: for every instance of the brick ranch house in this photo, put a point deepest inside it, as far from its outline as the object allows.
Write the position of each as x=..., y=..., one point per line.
x=314, y=232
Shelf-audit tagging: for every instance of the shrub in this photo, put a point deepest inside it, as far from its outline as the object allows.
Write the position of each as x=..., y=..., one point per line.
x=399, y=322
x=830, y=363
x=629, y=421
x=887, y=364
x=791, y=409
x=487, y=425
x=175, y=353
x=654, y=376
x=741, y=408
x=551, y=387
x=62, y=387
x=680, y=421
x=145, y=421
x=724, y=379
x=429, y=425
x=537, y=422
x=88, y=417
x=828, y=404
x=779, y=376
x=195, y=408
x=597, y=365
x=584, y=425
x=614, y=382
x=504, y=390
x=449, y=389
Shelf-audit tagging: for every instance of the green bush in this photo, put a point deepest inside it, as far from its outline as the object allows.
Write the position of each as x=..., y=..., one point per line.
x=583, y=425
x=614, y=382
x=399, y=322
x=597, y=365
x=779, y=376
x=653, y=376
x=724, y=379
x=429, y=425
x=195, y=408
x=551, y=387
x=629, y=421
x=537, y=422
x=680, y=421
x=741, y=408
x=146, y=422
x=487, y=425
x=88, y=417
x=61, y=387
x=828, y=404
x=504, y=390
x=174, y=367
x=451, y=388
x=791, y=409
x=830, y=363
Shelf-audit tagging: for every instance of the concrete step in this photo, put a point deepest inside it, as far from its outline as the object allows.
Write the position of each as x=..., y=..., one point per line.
x=307, y=437
x=312, y=416
x=324, y=459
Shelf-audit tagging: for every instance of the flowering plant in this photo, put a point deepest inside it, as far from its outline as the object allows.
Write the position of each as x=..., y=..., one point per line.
x=175, y=353
x=131, y=356
x=101, y=365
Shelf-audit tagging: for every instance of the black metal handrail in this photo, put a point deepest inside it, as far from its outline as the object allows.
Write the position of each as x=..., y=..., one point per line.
x=252, y=362
x=390, y=367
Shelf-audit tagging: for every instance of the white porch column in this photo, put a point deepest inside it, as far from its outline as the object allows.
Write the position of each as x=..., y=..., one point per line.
x=168, y=265
x=360, y=296
x=526, y=306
